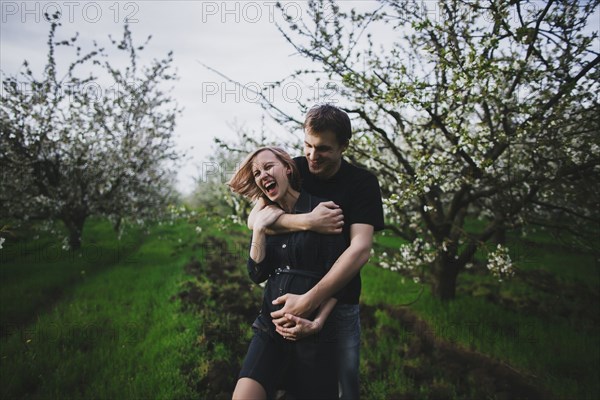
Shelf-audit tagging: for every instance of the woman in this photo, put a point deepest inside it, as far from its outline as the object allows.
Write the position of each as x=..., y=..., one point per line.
x=291, y=263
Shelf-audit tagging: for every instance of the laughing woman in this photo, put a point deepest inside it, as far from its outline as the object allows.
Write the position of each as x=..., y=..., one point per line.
x=303, y=365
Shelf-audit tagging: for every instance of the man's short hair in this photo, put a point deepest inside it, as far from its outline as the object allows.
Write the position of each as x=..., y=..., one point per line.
x=324, y=118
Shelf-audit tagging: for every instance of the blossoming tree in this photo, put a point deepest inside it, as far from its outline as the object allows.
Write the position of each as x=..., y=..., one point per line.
x=72, y=146
x=484, y=109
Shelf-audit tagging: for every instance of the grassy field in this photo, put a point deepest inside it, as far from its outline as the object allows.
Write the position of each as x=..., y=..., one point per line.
x=543, y=323
x=165, y=313
x=96, y=326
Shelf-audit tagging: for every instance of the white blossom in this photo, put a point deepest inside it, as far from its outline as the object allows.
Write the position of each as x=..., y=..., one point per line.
x=500, y=264
x=65, y=244
x=410, y=257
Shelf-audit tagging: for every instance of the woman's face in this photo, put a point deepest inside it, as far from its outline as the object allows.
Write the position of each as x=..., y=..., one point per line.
x=270, y=175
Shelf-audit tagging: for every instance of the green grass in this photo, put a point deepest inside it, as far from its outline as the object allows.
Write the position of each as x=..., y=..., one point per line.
x=547, y=333
x=36, y=270
x=113, y=332
x=106, y=322
x=380, y=348
x=565, y=360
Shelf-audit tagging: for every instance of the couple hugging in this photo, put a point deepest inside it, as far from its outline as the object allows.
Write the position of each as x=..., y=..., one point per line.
x=312, y=231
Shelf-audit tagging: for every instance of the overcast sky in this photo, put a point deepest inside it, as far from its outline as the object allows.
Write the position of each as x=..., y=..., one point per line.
x=238, y=38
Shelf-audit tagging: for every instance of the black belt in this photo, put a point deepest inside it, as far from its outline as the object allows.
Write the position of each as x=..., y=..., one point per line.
x=301, y=272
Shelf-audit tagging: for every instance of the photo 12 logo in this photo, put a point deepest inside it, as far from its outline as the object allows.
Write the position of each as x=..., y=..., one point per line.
x=256, y=93
x=86, y=92
x=261, y=11
x=246, y=11
x=437, y=11
x=70, y=11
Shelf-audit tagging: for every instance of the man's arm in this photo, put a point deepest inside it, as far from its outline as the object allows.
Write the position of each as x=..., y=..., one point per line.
x=325, y=218
x=345, y=268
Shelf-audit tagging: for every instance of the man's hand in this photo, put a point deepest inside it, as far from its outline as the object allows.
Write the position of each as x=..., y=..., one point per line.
x=259, y=205
x=299, y=305
x=327, y=218
x=265, y=217
x=300, y=327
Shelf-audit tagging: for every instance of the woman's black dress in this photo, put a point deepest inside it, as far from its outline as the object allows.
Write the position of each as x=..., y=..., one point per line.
x=294, y=263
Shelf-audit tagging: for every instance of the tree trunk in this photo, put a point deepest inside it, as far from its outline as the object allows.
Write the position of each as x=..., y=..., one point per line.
x=445, y=273
x=500, y=236
x=74, y=224
x=117, y=224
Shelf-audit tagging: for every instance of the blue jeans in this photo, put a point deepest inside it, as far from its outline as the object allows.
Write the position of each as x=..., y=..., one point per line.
x=347, y=319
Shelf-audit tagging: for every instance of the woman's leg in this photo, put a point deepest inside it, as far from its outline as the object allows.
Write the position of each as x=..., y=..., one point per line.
x=263, y=367
x=248, y=389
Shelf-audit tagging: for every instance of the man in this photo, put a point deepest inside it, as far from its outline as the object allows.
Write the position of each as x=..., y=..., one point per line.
x=356, y=211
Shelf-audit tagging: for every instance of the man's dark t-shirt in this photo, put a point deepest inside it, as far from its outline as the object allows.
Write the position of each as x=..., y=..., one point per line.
x=357, y=192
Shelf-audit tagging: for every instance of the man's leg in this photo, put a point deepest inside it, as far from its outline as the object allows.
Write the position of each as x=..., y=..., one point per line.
x=348, y=346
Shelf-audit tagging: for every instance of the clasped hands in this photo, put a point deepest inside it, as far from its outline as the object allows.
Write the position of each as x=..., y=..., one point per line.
x=289, y=322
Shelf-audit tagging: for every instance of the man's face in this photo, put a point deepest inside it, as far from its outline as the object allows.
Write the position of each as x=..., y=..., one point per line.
x=323, y=153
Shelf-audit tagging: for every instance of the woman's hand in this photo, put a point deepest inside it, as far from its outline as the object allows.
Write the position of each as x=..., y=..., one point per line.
x=301, y=327
x=267, y=216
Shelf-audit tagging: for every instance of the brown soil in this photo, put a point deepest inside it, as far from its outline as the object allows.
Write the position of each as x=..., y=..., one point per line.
x=472, y=375
x=221, y=292
x=222, y=295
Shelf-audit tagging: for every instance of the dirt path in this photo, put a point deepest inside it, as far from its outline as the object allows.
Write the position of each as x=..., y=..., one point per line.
x=221, y=293
x=444, y=369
